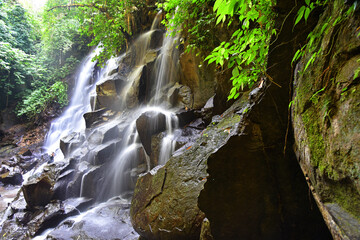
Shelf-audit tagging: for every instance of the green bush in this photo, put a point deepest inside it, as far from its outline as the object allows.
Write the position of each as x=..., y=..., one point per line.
x=41, y=98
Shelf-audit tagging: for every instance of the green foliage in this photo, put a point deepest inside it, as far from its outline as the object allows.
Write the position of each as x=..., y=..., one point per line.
x=17, y=63
x=39, y=99
x=31, y=72
x=357, y=71
x=194, y=16
x=313, y=45
x=105, y=22
x=246, y=51
x=315, y=97
x=61, y=36
x=306, y=9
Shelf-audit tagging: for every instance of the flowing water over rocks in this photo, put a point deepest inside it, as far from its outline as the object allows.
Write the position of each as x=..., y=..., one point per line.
x=150, y=145
x=100, y=156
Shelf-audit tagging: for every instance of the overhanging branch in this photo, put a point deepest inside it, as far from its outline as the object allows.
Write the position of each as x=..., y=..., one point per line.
x=101, y=9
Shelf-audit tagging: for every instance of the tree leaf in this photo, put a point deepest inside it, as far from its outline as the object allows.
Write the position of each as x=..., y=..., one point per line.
x=235, y=72
x=299, y=15
x=307, y=13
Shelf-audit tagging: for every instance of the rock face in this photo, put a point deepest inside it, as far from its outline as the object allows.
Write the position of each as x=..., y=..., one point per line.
x=326, y=118
x=148, y=124
x=107, y=221
x=39, y=192
x=236, y=173
x=164, y=204
x=199, y=80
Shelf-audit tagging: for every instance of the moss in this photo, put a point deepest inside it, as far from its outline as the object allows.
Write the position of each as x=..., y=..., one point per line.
x=316, y=141
x=229, y=121
x=345, y=194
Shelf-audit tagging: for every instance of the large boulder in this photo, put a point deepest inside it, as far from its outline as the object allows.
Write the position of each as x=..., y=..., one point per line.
x=38, y=192
x=71, y=142
x=39, y=189
x=106, y=94
x=325, y=118
x=148, y=124
x=165, y=201
x=92, y=118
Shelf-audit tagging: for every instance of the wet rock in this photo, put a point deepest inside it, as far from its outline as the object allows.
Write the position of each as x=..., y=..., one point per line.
x=67, y=184
x=150, y=57
x=199, y=80
x=95, y=138
x=173, y=94
x=29, y=163
x=77, y=204
x=179, y=95
x=11, y=178
x=348, y=226
x=19, y=203
x=61, y=185
x=92, y=118
x=14, y=231
x=113, y=71
x=107, y=93
x=197, y=124
x=209, y=104
x=148, y=124
x=22, y=217
x=185, y=117
x=105, y=152
x=42, y=219
x=156, y=39
x=132, y=94
x=54, y=213
x=90, y=182
x=325, y=118
x=71, y=142
x=109, y=220
x=24, y=224
x=164, y=205
x=111, y=134
x=185, y=96
x=155, y=149
x=38, y=192
x=145, y=81
x=207, y=111
x=25, y=152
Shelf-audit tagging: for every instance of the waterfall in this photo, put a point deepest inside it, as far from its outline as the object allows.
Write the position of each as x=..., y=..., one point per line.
x=71, y=120
x=165, y=66
x=122, y=170
x=125, y=154
x=119, y=124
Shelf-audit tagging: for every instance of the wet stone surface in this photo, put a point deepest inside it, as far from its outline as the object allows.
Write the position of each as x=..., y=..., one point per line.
x=109, y=220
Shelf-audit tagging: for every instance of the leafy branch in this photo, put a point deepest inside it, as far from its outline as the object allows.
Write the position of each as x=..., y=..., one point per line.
x=246, y=52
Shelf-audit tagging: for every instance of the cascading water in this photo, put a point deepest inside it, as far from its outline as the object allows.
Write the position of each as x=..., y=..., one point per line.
x=104, y=174
x=165, y=67
x=72, y=118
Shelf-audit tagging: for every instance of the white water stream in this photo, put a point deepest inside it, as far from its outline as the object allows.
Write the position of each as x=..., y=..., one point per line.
x=120, y=170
